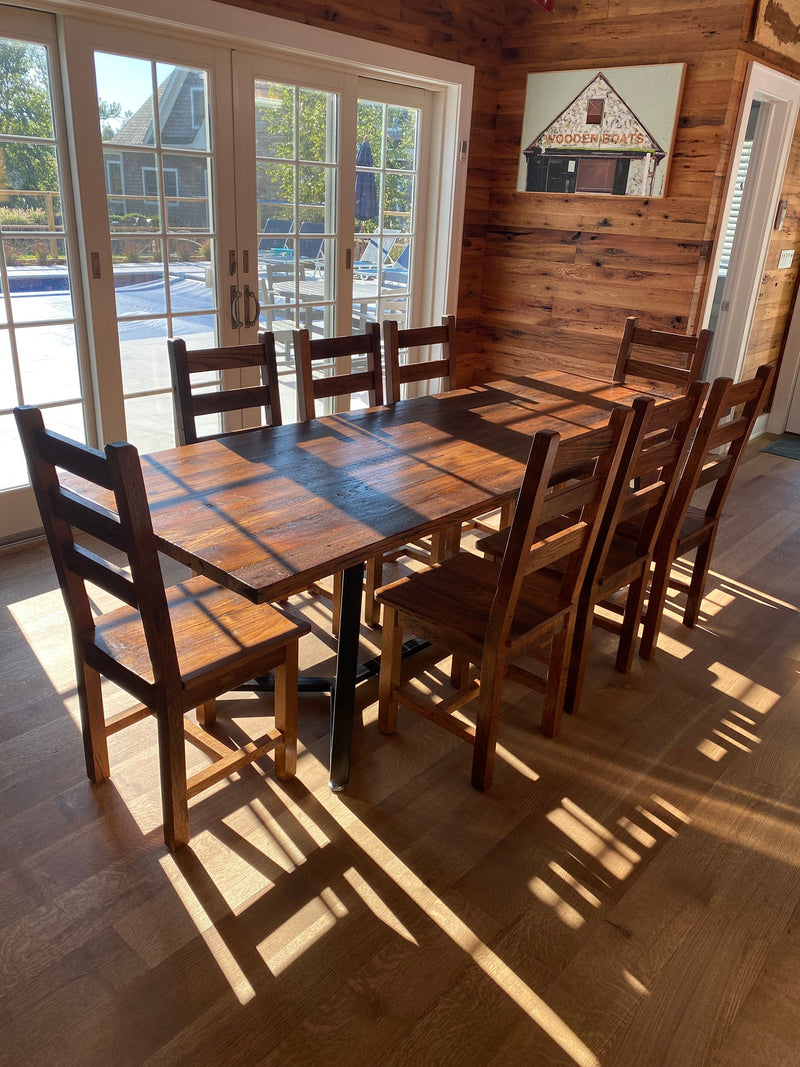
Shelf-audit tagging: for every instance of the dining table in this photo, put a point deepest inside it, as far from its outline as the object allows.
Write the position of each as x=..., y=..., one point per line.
x=266, y=512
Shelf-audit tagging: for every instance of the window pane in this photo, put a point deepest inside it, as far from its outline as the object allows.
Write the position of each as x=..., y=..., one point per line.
x=186, y=185
x=124, y=99
x=182, y=95
x=143, y=351
x=150, y=422
x=48, y=364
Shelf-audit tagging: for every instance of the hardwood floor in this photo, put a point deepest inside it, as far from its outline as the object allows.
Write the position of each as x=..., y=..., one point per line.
x=626, y=894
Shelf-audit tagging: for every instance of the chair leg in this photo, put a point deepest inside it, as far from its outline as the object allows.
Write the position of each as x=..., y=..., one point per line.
x=459, y=671
x=577, y=655
x=207, y=713
x=373, y=579
x=93, y=726
x=506, y=514
x=488, y=719
x=172, y=762
x=336, y=607
x=93, y=722
x=697, y=584
x=630, y=622
x=391, y=661
x=558, y=669
x=286, y=713
x=656, y=599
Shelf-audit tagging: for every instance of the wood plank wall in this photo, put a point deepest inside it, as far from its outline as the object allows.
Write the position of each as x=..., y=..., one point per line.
x=549, y=279
x=563, y=271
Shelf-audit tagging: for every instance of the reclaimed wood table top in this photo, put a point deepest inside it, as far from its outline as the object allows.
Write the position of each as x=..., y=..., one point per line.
x=269, y=510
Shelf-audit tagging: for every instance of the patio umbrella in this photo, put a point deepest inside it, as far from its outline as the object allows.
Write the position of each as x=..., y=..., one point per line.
x=366, y=189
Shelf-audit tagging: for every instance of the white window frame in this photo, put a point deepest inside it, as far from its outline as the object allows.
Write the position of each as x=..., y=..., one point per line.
x=451, y=83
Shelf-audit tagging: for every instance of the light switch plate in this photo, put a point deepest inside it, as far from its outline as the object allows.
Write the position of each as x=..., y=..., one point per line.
x=786, y=257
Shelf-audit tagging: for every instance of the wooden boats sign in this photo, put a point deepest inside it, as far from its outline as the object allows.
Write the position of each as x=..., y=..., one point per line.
x=613, y=136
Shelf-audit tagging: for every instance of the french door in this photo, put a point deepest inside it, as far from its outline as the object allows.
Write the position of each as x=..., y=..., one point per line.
x=42, y=337
x=217, y=192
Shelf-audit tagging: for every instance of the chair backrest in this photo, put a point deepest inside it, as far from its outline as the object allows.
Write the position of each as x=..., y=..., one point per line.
x=396, y=274
x=307, y=352
x=659, y=356
x=402, y=373
x=666, y=433
x=557, y=521
x=126, y=528
x=278, y=226
x=190, y=405
x=724, y=430
x=375, y=254
x=310, y=247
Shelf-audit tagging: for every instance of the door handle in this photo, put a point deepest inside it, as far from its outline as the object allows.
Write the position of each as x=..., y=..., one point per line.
x=248, y=295
x=236, y=295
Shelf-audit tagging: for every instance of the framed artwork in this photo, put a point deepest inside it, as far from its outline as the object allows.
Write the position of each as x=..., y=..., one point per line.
x=777, y=27
x=606, y=132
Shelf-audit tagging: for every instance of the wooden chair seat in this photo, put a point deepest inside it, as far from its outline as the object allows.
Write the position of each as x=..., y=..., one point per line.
x=725, y=428
x=212, y=627
x=173, y=650
x=491, y=614
x=452, y=602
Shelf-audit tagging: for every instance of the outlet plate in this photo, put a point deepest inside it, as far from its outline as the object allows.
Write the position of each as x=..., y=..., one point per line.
x=786, y=258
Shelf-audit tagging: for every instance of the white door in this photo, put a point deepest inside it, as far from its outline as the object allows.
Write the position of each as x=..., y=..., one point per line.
x=42, y=354
x=764, y=135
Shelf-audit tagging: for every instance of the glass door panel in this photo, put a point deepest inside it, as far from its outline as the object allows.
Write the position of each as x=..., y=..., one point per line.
x=296, y=174
x=386, y=186
x=160, y=203
x=40, y=360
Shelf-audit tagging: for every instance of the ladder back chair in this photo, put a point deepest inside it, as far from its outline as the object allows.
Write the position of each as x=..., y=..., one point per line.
x=620, y=561
x=659, y=356
x=190, y=405
x=171, y=649
x=400, y=373
x=620, y=567
x=492, y=613
x=307, y=353
x=725, y=428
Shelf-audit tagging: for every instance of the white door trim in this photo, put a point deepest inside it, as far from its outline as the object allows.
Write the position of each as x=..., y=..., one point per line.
x=765, y=178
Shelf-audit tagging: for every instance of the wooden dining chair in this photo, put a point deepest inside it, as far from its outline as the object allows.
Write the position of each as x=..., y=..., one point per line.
x=310, y=353
x=492, y=613
x=191, y=404
x=725, y=427
x=660, y=357
x=613, y=595
x=171, y=649
x=401, y=372
x=620, y=562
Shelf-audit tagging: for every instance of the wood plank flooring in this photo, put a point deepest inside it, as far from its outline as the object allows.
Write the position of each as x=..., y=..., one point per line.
x=626, y=894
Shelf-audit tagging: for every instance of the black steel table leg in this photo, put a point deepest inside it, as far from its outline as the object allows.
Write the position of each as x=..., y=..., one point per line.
x=344, y=690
